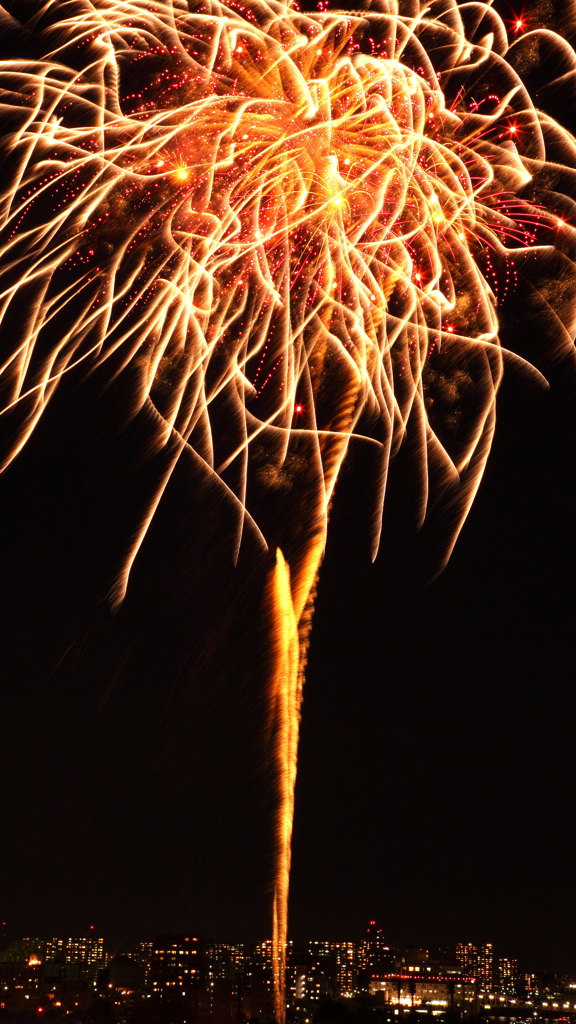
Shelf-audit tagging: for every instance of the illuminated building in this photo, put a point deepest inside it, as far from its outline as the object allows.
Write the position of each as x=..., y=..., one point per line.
x=143, y=956
x=322, y=948
x=225, y=960
x=86, y=950
x=375, y=957
x=312, y=983
x=89, y=951
x=263, y=952
x=311, y=969
x=486, y=965
x=425, y=990
x=346, y=954
x=507, y=976
x=20, y=985
x=21, y=950
x=224, y=968
x=467, y=956
x=478, y=960
x=374, y=948
x=531, y=986
x=176, y=968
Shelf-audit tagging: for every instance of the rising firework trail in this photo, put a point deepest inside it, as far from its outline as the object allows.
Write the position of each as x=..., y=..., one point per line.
x=288, y=231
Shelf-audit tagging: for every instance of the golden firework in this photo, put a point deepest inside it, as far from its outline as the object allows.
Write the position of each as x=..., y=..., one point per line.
x=294, y=224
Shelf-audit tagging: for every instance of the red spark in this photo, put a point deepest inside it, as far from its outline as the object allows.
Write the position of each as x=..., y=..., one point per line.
x=518, y=23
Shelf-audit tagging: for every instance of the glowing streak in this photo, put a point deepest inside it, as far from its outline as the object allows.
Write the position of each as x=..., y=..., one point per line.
x=285, y=699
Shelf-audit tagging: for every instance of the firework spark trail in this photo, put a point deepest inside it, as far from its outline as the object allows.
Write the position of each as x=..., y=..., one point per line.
x=293, y=229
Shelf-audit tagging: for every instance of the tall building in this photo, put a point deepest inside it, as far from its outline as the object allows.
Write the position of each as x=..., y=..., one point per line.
x=477, y=960
x=259, y=993
x=224, y=971
x=507, y=976
x=375, y=955
x=263, y=952
x=531, y=985
x=310, y=971
x=467, y=957
x=346, y=954
x=176, y=968
x=312, y=983
x=224, y=960
x=375, y=945
x=143, y=956
x=486, y=965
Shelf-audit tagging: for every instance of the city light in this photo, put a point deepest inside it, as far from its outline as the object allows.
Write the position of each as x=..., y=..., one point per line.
x=394, y=980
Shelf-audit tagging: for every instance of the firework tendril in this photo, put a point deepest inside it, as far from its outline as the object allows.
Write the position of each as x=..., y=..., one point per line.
x=289, y=230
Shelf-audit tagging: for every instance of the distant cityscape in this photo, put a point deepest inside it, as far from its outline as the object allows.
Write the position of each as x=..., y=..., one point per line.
x=180, y=979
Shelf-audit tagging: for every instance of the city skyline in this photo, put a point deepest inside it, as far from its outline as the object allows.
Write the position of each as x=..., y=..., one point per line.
x=373, y=953
x=185, y=978
x=152, y=730
x=373, y=950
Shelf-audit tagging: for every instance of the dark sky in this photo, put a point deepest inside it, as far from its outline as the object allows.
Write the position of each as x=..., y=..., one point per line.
x=437, y=759
x=436, y=779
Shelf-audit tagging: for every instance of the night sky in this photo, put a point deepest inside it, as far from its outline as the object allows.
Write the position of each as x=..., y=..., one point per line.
x=436, y=777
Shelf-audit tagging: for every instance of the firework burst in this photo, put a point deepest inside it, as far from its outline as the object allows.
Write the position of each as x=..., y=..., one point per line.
x=294, y=230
